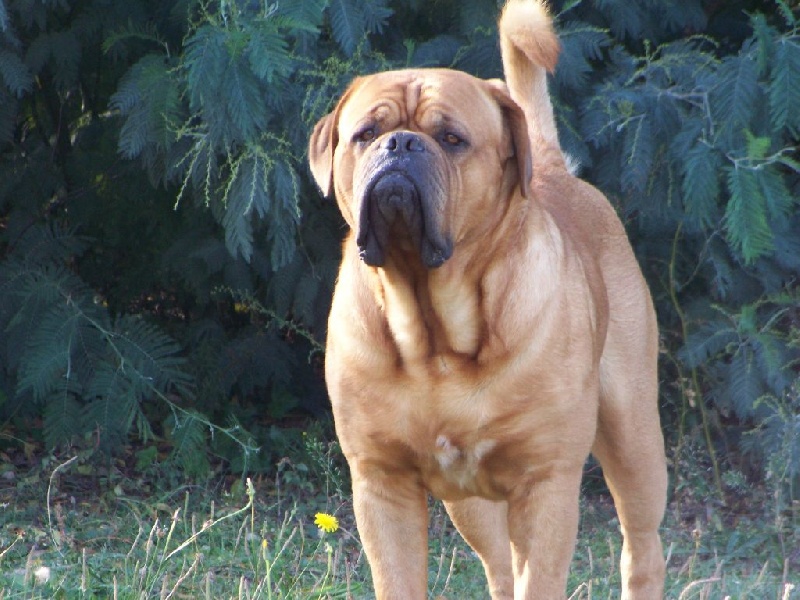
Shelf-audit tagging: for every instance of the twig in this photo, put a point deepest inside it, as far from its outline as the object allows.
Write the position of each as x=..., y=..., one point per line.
x=60, y=467
x=183, y=577
x=695, y=584
x=695, y=388
x=251, y=494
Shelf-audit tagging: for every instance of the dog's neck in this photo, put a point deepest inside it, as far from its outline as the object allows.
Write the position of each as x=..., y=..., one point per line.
x=429, y=312
x=439, y=317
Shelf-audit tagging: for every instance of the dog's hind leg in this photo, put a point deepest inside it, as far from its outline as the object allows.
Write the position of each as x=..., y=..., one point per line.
x=630, y=448
x=484, y=524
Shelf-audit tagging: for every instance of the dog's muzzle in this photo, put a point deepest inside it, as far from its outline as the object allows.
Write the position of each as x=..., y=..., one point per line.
x=402, y=197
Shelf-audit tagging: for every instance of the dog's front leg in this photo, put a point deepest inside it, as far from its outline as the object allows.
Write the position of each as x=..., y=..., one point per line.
x=392, y=517
x=543, y=525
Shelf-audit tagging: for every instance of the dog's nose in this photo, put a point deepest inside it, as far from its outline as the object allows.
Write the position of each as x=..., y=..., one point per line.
x=403, y=141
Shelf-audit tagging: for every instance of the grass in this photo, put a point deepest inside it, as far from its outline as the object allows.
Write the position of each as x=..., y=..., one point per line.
x=67, y=533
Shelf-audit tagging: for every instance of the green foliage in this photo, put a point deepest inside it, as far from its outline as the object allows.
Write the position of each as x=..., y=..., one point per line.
x=695, y=139
x=166, y=261
x=777, y=437
x=352, y=20
x=208, y=102
x=88, y=371
x=215, y=121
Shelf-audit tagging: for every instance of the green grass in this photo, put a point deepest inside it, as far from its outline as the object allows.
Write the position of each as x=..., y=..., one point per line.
x=67, y=532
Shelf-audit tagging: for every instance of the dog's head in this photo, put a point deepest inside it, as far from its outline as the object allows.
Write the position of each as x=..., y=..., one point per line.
x=420, y=159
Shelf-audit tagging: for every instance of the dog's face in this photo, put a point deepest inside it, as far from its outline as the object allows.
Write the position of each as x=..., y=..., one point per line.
x=420, y=160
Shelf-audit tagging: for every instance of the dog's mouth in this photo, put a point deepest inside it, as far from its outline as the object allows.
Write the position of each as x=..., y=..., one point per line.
x=396, y=211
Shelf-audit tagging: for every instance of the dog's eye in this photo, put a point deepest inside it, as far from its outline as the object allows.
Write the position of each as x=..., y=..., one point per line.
x=451, y=139
x=365, y=135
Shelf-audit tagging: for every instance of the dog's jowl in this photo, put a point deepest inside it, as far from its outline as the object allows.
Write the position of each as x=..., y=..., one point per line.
x=490, y=327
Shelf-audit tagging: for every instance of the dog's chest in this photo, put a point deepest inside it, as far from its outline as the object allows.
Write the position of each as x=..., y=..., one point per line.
x=458, y=468
x=457, y=444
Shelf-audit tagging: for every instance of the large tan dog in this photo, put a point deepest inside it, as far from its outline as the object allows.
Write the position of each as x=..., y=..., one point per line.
x=490, y=327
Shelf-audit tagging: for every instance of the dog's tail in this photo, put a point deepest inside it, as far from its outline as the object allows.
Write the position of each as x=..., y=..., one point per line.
x=530, y=49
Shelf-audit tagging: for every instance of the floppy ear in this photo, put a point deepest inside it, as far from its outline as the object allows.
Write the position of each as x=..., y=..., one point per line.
x=320, y=151
x=518, y=127
x=322, y=144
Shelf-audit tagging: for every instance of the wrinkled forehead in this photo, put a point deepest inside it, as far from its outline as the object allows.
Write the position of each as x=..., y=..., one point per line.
x=421, y=98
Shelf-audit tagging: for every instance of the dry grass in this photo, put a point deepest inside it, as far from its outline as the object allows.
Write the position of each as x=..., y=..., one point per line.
x=259, y=541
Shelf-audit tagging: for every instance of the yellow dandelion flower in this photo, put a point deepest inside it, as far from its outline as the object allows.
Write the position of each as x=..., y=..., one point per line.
x=264, y=551
x=326, y=522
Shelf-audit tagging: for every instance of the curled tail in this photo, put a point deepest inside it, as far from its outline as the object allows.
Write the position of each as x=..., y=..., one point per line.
x=530, y=50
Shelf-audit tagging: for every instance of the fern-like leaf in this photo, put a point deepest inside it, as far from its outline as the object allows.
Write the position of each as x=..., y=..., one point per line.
x=268, y=53
x=774, y=360
x=639, y=149
x=348, y=24
x=764, y=37
x=149, y=99
x=246, y=190
x=49, y=353
x=375, y=13
x=746, y=223
x=239, y=97
x=700, y=184
x=188, y=433
x=787, y=12
x=284, y=214
x=440, y=51
x=784, y=86
x=736, y=94
x=744, y=382
x=581, y=43
x=306, y=15
x=111, y=417
x=61, y=419
x=218, y=86
x=780, y=202
x=727, y=280
x=710, y=341
x=627, y=19
x=480, y=56
x=204, y=60
x=787, y=245
x=154, y=357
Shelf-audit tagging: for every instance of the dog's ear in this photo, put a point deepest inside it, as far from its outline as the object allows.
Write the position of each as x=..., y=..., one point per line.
x=320, y=151
x=323, y=142
x=518, y=127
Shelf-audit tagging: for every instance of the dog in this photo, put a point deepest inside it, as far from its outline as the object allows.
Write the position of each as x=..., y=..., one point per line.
x=490, y=327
